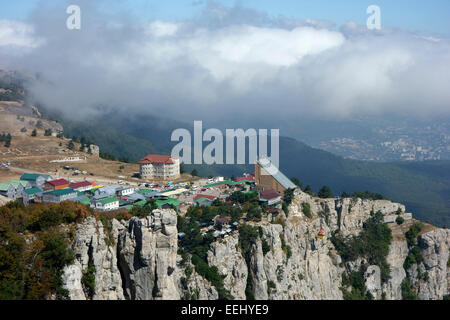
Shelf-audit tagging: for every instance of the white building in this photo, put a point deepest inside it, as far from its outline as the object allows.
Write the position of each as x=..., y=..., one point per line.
x=125, y=191
x=107, y=204
x=81, y=186
x=159, y=167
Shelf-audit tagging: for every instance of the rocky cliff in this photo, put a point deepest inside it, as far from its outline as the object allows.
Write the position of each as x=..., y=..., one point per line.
x=138, y=259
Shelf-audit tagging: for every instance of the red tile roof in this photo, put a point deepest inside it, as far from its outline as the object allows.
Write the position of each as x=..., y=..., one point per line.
x=156, y=158
x=247, y=177
x=81, y=184
x=212, y=198
x=269, y=194
x=58, y=182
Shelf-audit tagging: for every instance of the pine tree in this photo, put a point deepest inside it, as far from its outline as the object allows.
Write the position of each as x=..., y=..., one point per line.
x=308, y=190
x=325, y=193
x=70, y=145
x=8, y=140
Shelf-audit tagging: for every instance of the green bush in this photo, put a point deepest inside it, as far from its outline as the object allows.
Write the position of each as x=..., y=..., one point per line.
x=358, y=288
x=407, y=291
x=372, y=243
x=247, y=237
x=265, y=247
x=399, y=220
x=325, y=192
x=242, y=198
x=414, y=255
x=57, y=255
x=354, y=294
x=145, y=210
x=286, y=248
x=307, y=209
x=254, y=213
x=270, y=286
x=369, y=195
x=211, y=274
x=412, y=234
x=288, y=196
x=309, y=191
x=88, y=280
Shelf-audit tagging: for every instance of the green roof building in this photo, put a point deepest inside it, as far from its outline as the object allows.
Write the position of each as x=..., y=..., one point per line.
x=35, y=179
x=164, y=203
x=58, y=196
x=13, y=189
x=218, y=183
x=107, y=204
x=32, y=191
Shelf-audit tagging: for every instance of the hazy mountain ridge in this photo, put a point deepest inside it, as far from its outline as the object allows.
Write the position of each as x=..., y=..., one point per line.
x=422, y=186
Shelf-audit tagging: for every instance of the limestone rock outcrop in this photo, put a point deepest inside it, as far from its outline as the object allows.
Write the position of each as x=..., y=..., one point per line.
x=93, y=246
x=137, y=259
x=147, y=256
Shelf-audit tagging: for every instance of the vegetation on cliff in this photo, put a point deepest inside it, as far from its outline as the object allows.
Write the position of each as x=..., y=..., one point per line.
x=35, y=247
x=372, y=244
x=196, y=246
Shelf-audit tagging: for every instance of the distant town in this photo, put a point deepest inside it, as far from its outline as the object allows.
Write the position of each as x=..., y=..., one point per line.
x=395, y=143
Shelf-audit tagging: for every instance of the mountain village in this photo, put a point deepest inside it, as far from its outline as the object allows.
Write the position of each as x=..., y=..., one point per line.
x=44, y=188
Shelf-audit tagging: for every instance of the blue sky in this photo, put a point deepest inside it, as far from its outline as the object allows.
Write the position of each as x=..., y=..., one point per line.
x=413, y=15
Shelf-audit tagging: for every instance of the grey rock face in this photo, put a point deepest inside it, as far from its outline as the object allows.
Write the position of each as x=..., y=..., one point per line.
x=230, y=262
x=72, y=281
x=435, y=251
x=147, y=256
x=139, y=257
x=398, y=251
x=373, y=281
x=90, y=246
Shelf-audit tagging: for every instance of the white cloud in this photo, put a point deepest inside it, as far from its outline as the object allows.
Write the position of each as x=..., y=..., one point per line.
x=162, y=29
x=17, y=34
x=192, y=70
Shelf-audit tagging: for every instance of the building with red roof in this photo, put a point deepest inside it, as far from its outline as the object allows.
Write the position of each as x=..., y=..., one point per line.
x=199, y=196
x=56, y=184
x=81, y=186
x=157, y=166
x=248, y=177
x=272, y=197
